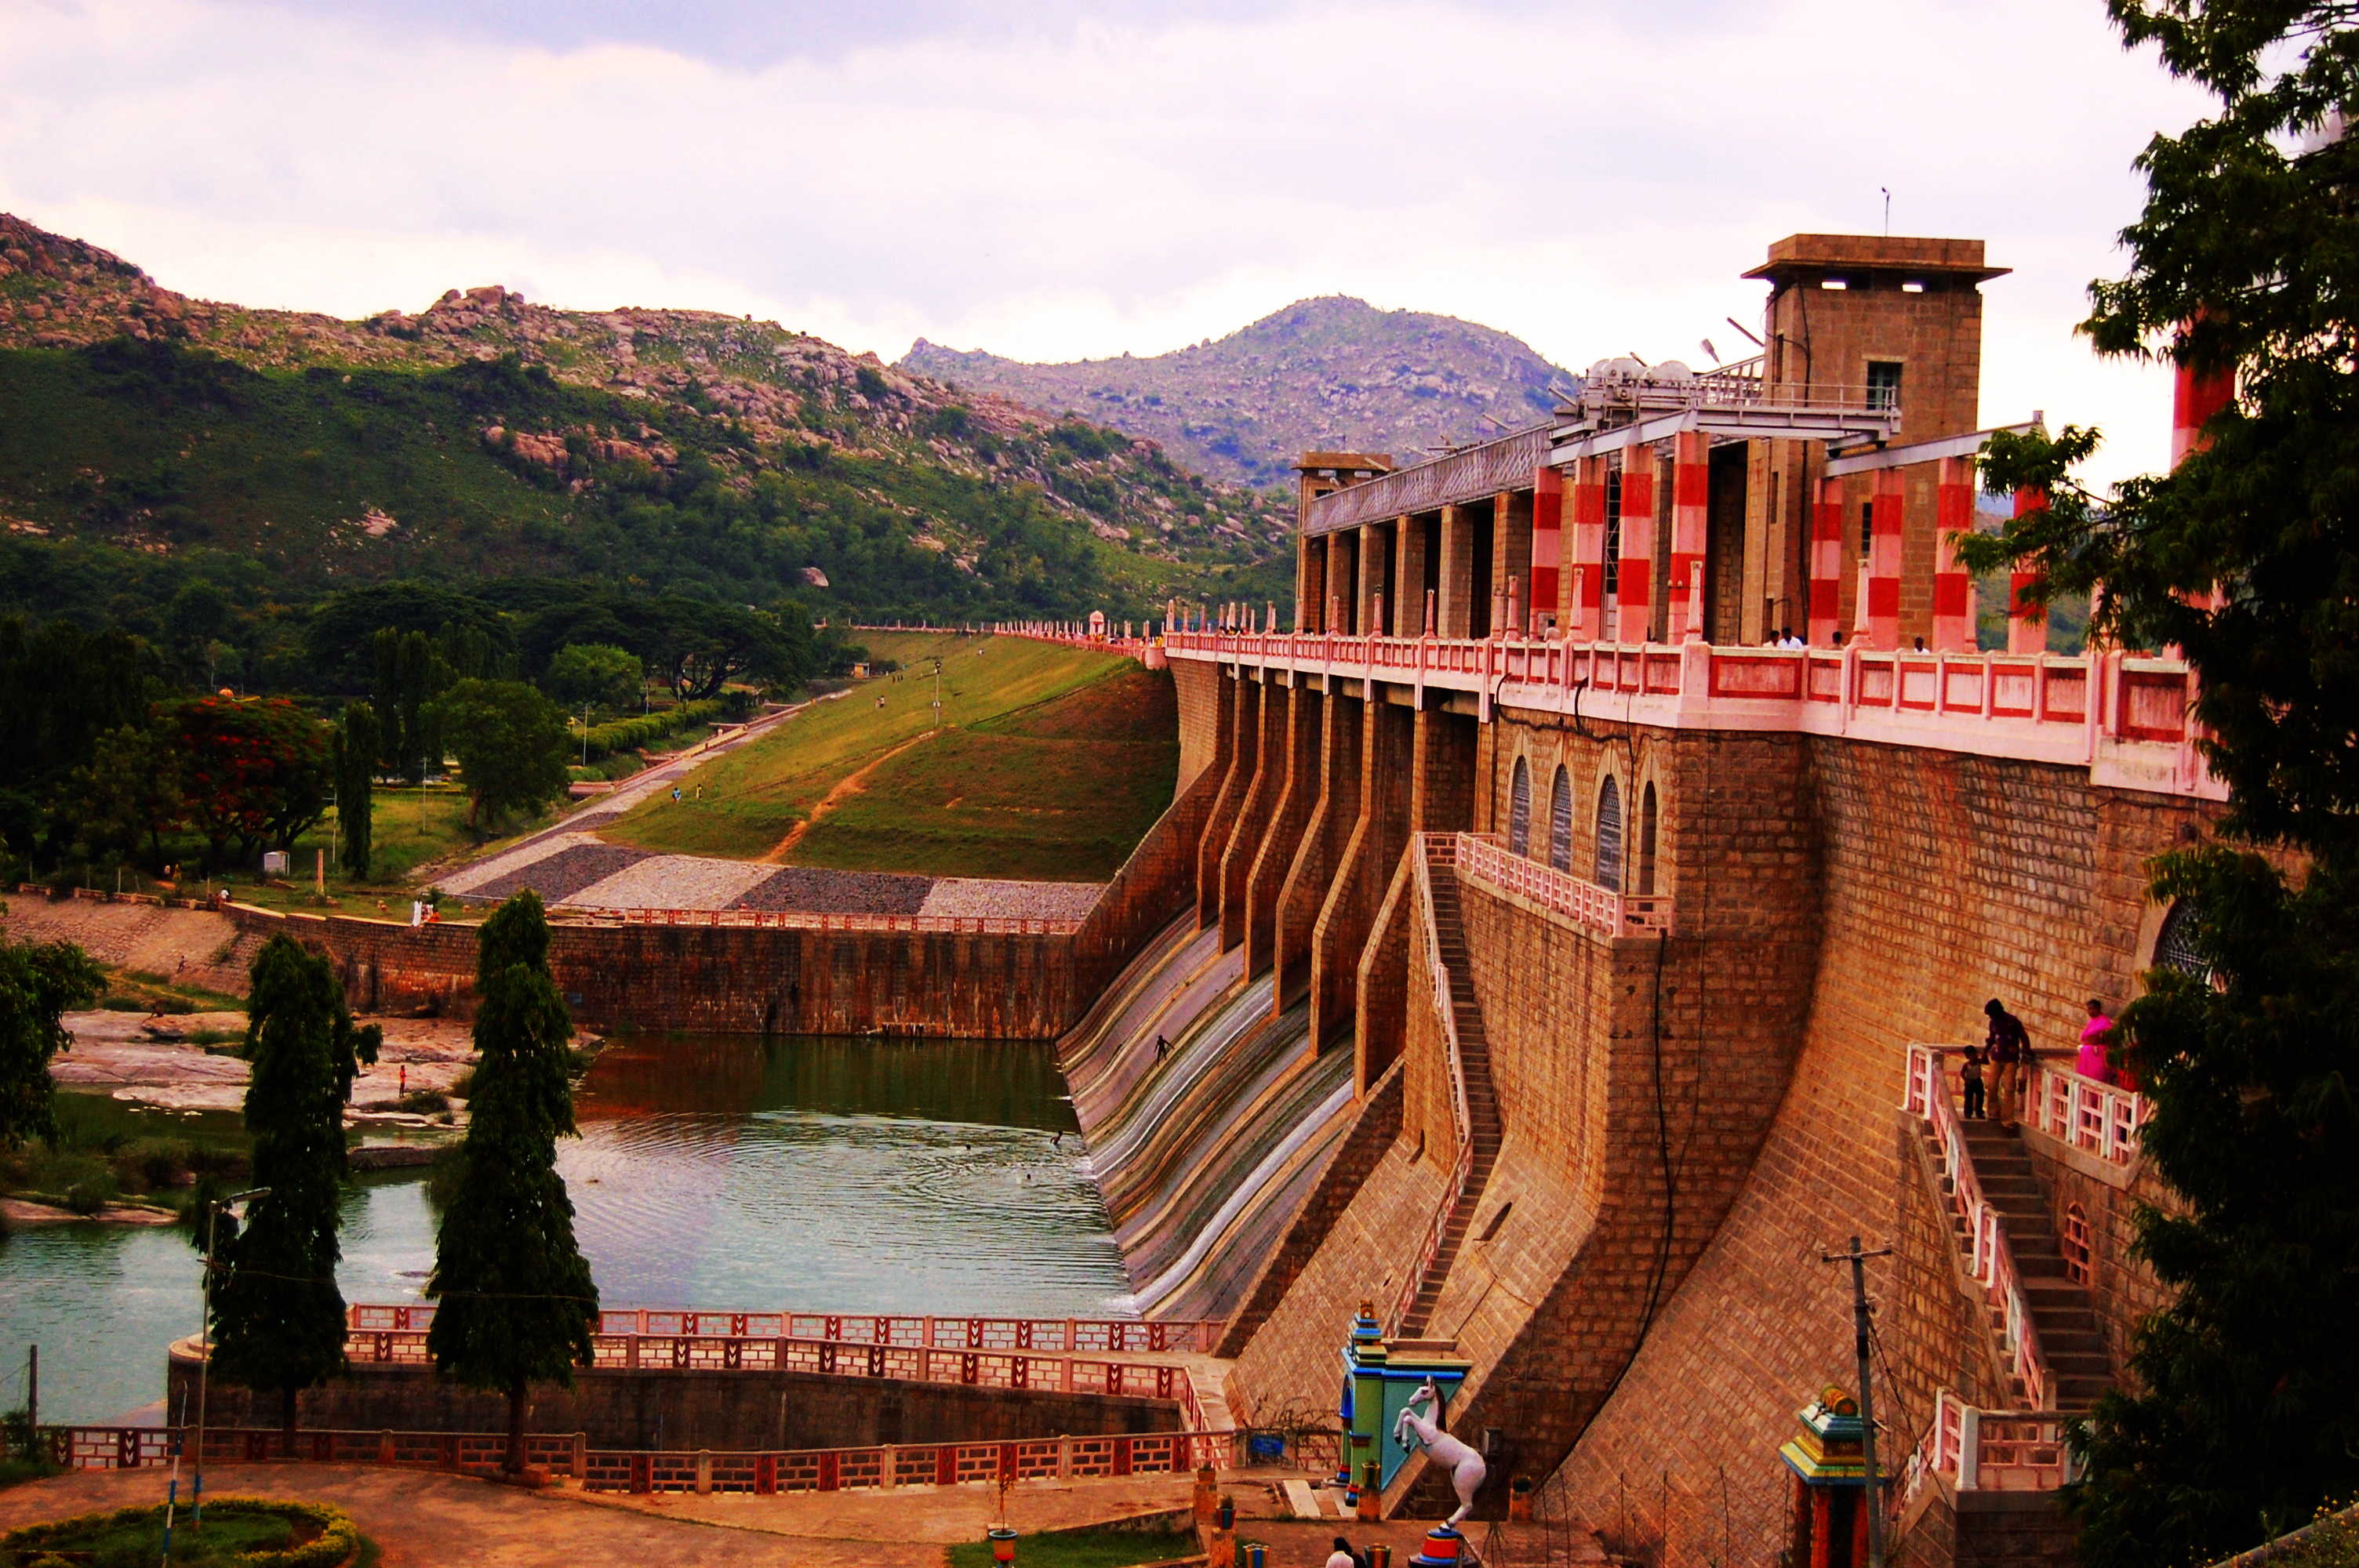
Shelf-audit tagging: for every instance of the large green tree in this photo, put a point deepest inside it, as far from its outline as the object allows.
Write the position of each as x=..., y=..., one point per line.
x=278, y=1315
x=358, y=740
x=517, y=1304
x=39, y=981
x=592, y=675
x=2244, y=263
x=510, y=742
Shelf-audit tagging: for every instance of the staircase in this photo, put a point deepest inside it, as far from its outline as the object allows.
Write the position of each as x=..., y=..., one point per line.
x=2071, y=1339
x=1473, y=1069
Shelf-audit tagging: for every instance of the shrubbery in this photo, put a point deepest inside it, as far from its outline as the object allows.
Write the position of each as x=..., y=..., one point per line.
x=91, y=1537
x=630, y=734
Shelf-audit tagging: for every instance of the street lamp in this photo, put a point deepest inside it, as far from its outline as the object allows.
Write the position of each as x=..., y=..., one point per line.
x=204, y=1368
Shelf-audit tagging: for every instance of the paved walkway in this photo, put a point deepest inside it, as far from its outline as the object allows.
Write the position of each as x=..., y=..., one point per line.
x=426, y=1520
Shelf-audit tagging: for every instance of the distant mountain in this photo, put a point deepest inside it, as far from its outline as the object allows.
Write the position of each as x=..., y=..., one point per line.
x=489, y=435
x=1326, y=373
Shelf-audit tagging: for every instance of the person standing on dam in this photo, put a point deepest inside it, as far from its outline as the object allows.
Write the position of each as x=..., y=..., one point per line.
x=2010, y=1044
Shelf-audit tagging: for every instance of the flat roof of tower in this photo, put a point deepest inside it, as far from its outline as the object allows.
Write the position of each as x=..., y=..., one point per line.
x=1372, y=463
x=1876, y=253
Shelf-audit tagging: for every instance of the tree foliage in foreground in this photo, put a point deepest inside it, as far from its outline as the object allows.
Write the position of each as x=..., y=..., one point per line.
x=39, y=982
x=278, y=1315
x=2241, y=1420
x=517, y=1304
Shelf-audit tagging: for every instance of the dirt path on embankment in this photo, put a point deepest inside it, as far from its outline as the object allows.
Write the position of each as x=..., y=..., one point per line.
x=845, y=787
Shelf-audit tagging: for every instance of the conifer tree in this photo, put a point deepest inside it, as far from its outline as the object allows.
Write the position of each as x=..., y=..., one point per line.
x=2241, y=1419
x=277, y=1314
x=357, y=743
x=39, y=981
x=517, y=1304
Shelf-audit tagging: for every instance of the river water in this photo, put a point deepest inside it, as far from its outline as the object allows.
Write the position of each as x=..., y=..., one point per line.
x=716, y=1172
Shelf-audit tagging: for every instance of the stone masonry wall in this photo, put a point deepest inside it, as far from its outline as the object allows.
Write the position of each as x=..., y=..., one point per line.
x=1946, y=880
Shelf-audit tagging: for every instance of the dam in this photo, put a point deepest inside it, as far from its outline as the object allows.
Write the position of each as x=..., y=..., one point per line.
x=1557, y=930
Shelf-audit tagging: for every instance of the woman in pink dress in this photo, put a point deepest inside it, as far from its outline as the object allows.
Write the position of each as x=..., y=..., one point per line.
x=2090, y=1062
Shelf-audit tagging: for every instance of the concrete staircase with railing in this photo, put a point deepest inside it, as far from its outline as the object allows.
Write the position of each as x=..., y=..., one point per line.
x=2071, y=1341
x=1482, y=1099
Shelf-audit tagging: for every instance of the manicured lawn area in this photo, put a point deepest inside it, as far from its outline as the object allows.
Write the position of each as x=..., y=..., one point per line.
x=1016, y=785
x=1084, y=1549
x=234, y=1529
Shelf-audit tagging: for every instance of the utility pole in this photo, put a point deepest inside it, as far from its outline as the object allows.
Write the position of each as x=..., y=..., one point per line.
x=1872, y=1497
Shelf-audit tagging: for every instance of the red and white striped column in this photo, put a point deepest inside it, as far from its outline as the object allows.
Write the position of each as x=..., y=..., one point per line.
x=2195, y=396
x=1881, y=624
x=1826, y=563
x=1691, y=509
x=1953, y=586
x=1634, y=591
x=1586, y=596
x=2027, y=625
x=1548, y=544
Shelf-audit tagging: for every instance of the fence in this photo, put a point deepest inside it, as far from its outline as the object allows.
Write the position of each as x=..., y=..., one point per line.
x=714, y=1470
x=1068, y=1336
x=1992, y=1259
x=2047, y=707
x=814, y=919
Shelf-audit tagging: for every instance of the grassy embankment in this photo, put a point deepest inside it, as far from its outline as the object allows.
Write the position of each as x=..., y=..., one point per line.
x=1051, y=762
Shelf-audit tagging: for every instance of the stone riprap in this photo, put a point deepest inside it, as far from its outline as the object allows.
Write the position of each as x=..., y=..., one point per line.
x=817, y=891
x=972, y=896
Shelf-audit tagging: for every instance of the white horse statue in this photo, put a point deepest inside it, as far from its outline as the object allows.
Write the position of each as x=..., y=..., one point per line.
x=1465, y=1466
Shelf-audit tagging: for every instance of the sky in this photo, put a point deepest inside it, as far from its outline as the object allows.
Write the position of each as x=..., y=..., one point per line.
x=1051, y=179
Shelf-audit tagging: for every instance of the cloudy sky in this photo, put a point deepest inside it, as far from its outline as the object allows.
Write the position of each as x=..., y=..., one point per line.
x=1048, y=179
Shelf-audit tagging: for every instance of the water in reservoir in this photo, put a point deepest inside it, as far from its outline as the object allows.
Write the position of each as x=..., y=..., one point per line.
x=712, y=1172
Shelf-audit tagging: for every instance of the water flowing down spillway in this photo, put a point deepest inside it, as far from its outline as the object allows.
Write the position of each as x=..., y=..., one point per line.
x=1205, y=1150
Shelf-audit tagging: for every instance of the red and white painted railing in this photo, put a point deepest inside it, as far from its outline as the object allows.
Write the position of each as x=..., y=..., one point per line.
x=2103, y=1119
x=1991, y=1259
x=1068, y=1336
x=1439, y=852
x=815, y=919
x=762, y=1472
x=1987, y=1451
x=1482, y=857
x=2129, y=718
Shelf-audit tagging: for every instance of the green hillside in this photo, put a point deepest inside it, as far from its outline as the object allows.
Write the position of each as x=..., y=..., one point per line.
x=1050, y=763
x=146, y=440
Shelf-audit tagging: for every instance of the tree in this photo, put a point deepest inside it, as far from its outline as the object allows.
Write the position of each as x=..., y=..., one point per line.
x=409, y=675
x=195, y=623
x=517, y=1303
x=339, y=639
x=40, y=982
x=278, y=1315
x=510, y=742
x=592, y=675
x=357, y=744
x=2246, y=558
x=130, y=791
x=252, y=771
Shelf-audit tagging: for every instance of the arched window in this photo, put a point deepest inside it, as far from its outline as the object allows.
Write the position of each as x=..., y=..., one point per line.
x=1561, y=821
x=1519, y=810
x=2074, y=1244
x=1646, y=839
x=2178, y=946
x=1609, y=836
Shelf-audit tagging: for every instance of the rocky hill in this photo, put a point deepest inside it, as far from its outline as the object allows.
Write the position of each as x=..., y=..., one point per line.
x=486, y=434
x=1332, y=373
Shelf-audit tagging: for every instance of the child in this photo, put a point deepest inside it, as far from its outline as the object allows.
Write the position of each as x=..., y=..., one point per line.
x=1970, y=1079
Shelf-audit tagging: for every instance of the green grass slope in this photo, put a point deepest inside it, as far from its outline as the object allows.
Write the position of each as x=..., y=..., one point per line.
x=1050, y=764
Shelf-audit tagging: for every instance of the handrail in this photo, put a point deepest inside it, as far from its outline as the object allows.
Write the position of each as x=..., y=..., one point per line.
x=1987, y=1451
x=816, y=920
x=1483, y=858
x=1441, y=849
x=2105, y=1119
x=1927, y=1096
